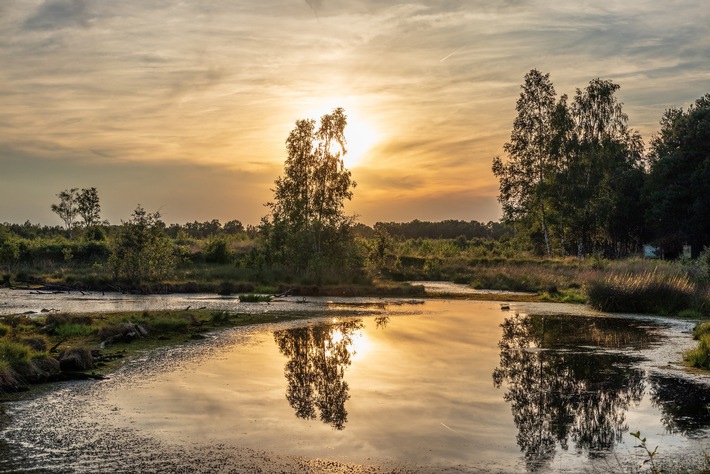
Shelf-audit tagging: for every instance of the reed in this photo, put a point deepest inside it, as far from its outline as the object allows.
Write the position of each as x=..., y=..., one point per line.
x=644, y=292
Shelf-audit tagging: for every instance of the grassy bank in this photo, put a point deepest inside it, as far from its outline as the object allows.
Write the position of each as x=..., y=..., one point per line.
x=62, y=346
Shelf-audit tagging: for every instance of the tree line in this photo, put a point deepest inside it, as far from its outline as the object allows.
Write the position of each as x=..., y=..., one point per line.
x=578, y=180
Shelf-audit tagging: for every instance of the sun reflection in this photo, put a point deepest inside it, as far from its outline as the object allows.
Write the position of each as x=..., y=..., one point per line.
x=359, y=345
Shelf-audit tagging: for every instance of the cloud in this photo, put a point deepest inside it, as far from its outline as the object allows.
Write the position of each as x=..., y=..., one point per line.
x=59, y=14
x=145, y=84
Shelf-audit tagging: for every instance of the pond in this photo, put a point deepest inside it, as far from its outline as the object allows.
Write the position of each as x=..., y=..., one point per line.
x=409, y=386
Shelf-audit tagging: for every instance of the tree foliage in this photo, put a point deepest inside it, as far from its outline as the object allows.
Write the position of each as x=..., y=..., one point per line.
x=525, y=178
x=307, y=226
x=67, y=207
x=141, y=251
x=574, y=173
x=678, y=187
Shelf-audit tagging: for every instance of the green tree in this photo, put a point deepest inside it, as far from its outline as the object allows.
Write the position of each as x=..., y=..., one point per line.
x=67, y=208
x=603, y=170
x=678, y=189
x=141, y=251
x=525, y=177
x=307, y=226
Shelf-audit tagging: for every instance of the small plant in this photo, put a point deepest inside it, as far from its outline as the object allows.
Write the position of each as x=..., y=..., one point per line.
x=650, y=455
x=4, y=330
x=219, y=317
x=254, y=298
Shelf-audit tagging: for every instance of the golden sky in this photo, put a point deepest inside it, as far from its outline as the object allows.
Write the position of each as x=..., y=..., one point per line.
x=185, y=106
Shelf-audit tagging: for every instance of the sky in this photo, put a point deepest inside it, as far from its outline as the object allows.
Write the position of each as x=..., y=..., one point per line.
x=184, y=107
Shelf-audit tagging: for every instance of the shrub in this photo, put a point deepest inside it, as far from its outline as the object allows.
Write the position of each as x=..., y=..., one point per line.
x=38, y=344
x=216, y=250
x=4, y=330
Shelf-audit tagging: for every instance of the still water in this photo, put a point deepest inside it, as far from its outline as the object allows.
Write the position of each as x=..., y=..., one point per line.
x=444, y=385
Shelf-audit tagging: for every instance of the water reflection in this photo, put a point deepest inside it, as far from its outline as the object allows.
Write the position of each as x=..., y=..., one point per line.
x=685, y=405
x=318, y=356
x=559, y=394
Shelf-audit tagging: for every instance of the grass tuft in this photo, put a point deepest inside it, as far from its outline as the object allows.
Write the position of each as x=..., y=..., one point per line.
x=254, y=298
x=700, y=356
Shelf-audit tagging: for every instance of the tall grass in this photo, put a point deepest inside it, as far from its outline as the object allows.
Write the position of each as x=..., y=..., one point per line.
x=649, y=291
x=700, y=356
x=14, y=353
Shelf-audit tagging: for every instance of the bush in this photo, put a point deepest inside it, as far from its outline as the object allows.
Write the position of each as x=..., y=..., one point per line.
x=4, y=330
x=217, y=251
x=226, y=288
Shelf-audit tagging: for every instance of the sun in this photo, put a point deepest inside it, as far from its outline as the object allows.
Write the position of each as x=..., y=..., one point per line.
x=360, y=134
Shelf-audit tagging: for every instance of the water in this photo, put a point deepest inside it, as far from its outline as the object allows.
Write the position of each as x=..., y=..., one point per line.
x=439, y=386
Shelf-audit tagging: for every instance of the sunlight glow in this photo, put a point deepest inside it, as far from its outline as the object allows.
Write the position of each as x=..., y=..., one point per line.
x=361, y=134
x=360, y=137
x=360, y=345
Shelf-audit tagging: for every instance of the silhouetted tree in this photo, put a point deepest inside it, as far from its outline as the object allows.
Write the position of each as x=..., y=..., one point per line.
x=67, y=208
x=525, y=177
x=88, y=207
x=307, y=225
x=574, y=172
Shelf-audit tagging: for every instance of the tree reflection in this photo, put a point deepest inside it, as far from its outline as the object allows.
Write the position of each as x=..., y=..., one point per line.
x=557, y=393
x=685, y=404
x=318, y=356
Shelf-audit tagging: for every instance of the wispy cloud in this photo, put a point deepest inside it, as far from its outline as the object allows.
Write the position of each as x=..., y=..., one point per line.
x=58, y=14
x=150, y=83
